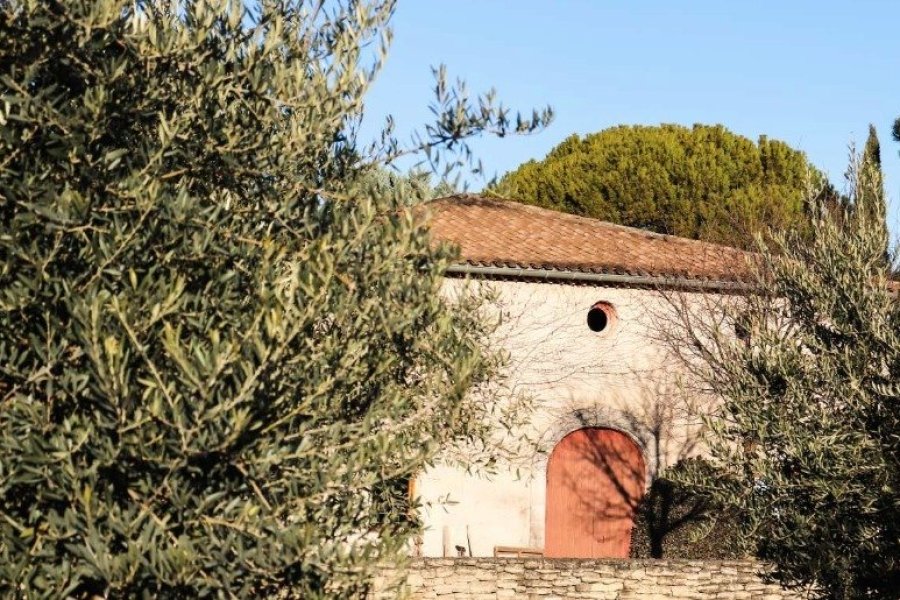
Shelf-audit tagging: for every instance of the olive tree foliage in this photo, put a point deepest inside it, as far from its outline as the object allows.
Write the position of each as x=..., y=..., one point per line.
x=412, y=187
x=805, y=442
x=702, y=182
x=222, y=353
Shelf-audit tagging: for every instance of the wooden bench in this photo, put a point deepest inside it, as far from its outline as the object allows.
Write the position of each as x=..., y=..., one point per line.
x=517, y=552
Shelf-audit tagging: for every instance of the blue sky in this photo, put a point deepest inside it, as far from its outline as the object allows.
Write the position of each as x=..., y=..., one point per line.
x=813, y=74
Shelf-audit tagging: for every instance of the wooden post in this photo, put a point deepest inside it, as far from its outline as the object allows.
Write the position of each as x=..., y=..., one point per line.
x=448, y=547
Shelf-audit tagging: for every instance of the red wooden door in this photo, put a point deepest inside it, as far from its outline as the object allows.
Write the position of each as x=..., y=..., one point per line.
x=595, y=479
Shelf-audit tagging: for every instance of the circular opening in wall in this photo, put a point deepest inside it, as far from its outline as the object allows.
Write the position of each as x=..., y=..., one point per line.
x=601, y=316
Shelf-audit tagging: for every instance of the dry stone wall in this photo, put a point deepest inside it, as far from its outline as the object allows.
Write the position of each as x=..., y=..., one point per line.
x=551, y=579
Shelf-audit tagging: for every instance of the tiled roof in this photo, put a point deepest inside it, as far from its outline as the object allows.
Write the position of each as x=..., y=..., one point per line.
x=501, y=233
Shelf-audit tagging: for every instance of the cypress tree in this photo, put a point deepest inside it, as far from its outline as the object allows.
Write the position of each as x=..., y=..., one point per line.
x=872, y=151
x=871, y=178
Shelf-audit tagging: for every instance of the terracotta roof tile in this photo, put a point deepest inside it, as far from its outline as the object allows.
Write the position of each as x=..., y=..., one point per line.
x=494, y=232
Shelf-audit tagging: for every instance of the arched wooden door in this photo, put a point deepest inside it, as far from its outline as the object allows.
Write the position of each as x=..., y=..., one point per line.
x=595, y=479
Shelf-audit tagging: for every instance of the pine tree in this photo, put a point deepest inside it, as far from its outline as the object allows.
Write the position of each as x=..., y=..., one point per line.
x=806, y=442
x=703, y=182
x=222, y=351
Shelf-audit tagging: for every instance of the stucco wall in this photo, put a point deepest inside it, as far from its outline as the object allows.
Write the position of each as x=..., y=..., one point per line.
x=621, y=378
x=476, y=579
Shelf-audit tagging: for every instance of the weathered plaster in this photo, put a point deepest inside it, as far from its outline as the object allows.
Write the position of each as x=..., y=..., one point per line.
x=622, y=378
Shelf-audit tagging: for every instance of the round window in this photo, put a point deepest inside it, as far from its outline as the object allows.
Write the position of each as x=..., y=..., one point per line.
x=601, y=316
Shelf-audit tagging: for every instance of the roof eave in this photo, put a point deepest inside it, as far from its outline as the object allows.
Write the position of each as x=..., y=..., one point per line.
x=600, y=279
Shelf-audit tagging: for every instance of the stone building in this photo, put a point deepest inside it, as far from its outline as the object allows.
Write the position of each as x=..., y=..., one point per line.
x=582, y=301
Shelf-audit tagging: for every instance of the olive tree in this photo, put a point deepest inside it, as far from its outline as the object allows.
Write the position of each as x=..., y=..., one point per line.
x=222, y=352
x=805, y=444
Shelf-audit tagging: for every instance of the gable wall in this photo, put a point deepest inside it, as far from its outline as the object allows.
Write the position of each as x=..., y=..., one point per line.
x=622, y=378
